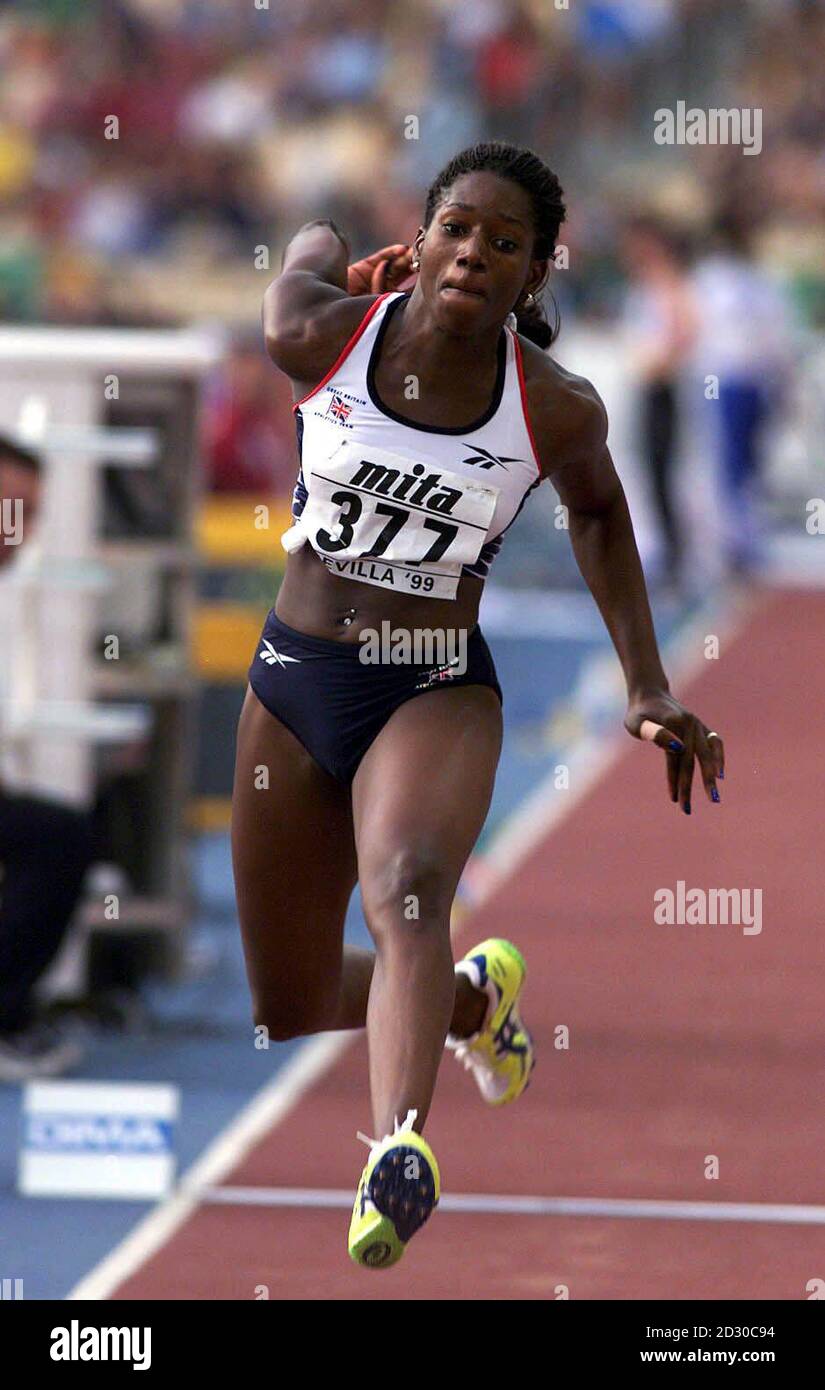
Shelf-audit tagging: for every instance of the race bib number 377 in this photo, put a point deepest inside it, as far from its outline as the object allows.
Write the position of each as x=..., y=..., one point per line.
x=386, y=520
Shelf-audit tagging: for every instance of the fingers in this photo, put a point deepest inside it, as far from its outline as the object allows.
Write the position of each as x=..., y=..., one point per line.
x=680, y=750
x=662, y=737
x=375, y=273
x=401, y=268
x=680, y=754
x=387, y=253
x=356, y=283
x=392, y=265
x=672, y=761
x=379, y=277
x=717, y=749
x=672, y=745
x=707, y=763
x=685, y=776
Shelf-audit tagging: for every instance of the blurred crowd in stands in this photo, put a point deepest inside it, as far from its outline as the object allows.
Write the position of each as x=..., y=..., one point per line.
x=239, y=121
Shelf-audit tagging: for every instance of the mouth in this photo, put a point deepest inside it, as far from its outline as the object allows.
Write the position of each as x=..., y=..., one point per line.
x=462, y=291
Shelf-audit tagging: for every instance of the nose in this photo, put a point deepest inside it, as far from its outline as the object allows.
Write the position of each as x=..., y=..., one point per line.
x=471, y=252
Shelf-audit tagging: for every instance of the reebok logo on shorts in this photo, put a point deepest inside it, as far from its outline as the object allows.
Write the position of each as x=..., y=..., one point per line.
x=272, y=658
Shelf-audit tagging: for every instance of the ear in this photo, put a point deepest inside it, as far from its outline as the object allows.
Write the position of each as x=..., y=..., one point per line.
x=538, y=277
x=417, y=240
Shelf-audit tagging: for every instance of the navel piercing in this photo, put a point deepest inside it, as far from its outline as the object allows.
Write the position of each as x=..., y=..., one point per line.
x=348, y=617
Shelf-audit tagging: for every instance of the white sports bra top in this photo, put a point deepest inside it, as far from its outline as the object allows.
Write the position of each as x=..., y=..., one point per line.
x=401, y=505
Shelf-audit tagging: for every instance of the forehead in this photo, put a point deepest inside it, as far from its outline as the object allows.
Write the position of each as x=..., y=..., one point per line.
x=490, y=195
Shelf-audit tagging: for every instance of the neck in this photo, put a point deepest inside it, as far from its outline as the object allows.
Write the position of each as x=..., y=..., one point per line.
x=430, y=350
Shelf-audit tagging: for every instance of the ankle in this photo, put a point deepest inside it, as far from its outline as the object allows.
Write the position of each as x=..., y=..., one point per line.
x=470, y=1008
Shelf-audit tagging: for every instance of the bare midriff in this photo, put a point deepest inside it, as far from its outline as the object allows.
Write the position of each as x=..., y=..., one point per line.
x=324, y=605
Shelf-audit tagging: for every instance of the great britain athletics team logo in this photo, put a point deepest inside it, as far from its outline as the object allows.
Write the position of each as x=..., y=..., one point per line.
x=338, y=409
x=445, y=672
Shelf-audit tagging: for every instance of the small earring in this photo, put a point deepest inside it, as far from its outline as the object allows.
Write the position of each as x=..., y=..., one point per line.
x=415, y=263
x=529, y=299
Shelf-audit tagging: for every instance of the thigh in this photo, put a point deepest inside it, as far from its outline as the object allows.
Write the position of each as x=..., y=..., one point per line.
x=421, y=795
x=293, y=858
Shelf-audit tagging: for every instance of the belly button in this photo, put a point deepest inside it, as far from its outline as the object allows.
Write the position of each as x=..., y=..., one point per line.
x=348, y=617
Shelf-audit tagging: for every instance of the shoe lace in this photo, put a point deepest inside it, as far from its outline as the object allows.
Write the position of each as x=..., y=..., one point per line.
x=412, y=1116
x=471, y=1060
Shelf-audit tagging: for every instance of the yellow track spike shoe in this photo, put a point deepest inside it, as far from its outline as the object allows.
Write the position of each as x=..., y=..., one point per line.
x=399, y=1189
x=500, y=1055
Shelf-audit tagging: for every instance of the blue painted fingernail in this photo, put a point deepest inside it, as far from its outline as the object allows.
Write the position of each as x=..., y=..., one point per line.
x=674, y=746
x=714, y=795
x=687, y=808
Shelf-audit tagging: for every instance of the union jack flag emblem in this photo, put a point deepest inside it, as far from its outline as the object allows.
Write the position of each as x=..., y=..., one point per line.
x=339, y=408
x=440, y=673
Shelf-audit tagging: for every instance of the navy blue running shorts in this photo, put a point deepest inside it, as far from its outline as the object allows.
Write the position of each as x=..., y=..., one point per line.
x=335, y=703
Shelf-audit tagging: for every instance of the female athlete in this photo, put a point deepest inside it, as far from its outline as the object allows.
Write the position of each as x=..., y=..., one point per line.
x=423, y=422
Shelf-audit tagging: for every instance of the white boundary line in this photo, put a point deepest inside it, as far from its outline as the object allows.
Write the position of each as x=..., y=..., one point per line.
x=265, y=1110
x=522, y=830
x=516, y=1205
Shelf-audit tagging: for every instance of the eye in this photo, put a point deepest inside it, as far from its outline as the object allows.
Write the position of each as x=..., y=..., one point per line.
x=505, y=244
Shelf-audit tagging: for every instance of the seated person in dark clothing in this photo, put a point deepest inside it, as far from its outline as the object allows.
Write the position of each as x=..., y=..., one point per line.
x=45, y=846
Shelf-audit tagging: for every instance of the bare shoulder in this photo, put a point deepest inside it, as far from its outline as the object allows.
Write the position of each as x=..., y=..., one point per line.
x=305, y=333
x=567, y=414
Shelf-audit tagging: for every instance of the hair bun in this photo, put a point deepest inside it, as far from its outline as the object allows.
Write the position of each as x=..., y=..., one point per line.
x=532, y=324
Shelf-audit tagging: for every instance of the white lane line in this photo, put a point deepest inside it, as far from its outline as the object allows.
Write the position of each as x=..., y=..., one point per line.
x=264, y=1111
x=516, y=836
x=506, y=1205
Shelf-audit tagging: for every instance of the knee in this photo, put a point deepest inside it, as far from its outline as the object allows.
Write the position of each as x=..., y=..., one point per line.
x=410, y=889
x=286, y=1016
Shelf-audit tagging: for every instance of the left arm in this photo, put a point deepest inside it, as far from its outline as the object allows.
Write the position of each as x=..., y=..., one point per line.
x=601, y=534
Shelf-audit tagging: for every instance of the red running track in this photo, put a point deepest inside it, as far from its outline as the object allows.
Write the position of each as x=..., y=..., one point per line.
x=685, y=1042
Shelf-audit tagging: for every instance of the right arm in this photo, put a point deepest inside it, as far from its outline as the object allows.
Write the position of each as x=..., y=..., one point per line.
x=318, y=300
x=307, y=309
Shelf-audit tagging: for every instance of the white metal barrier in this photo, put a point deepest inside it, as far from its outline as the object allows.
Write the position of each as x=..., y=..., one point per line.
x=89, y=401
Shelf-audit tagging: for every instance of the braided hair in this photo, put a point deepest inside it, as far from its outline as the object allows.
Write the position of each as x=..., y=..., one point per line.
x=525, y=168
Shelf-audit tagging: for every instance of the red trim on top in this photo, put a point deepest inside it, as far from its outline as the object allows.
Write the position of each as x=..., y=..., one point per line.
x=347, y=348
x=523, y=390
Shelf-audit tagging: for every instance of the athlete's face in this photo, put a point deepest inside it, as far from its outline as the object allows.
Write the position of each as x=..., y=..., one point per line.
x=476, y=256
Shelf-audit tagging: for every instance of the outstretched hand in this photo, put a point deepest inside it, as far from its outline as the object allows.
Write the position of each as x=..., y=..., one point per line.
x=660, y=719
x=386, y=269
